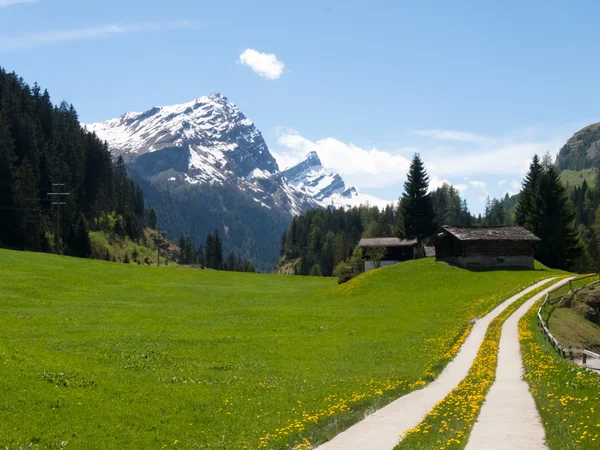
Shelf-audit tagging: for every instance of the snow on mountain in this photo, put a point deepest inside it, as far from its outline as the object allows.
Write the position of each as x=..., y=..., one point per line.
x=326, y=188
x=210, y=141
x=221, y=140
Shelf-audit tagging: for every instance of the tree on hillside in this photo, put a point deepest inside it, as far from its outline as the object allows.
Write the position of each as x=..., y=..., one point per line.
x=78, y=241
x=417, y=208
x=551, y=218
x=528, y=191
x=187, y=254
x=231, y=262
x=7, y=159
x=376, y=255
x=544, y=209
x=43, y=145
x=209, y=251
x=218, y=252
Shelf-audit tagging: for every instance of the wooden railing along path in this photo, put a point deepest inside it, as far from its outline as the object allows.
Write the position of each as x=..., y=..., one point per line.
x=552, y=297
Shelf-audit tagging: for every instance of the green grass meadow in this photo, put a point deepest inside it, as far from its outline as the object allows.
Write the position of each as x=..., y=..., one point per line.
x=103, y=355
x=576, y=177
x=567, y=396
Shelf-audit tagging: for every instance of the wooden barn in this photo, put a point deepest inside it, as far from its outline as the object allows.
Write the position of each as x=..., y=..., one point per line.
x=396, y=250
x=484, y=247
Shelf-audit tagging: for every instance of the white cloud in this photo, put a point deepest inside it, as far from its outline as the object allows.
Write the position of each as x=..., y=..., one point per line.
x=436, y=182
x=515, y=187
x=363, y=167
x=500, y=159
x=265, y=64
x=453, y=135
x=484, y=167
x=479, y=184
x=5, y=3
x=78, y=34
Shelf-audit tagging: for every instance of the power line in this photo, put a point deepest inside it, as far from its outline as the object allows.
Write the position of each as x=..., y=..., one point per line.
x=57, y=196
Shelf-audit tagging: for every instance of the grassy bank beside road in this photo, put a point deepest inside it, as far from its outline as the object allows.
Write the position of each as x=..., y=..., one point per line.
x=567, y=396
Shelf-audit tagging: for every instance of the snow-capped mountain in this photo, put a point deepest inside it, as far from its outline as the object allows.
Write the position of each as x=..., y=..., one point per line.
x=205, y=141
x=220, y=139
x=210, y=141
x=328, y=189
x=204, y=166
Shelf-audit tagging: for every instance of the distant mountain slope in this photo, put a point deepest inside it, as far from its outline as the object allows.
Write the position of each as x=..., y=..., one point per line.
x=574, y=178
x=204, y=165
x=582, y=151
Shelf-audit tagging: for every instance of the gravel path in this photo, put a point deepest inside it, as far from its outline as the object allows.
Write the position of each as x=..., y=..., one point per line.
x=382, y=429
x=509, y=418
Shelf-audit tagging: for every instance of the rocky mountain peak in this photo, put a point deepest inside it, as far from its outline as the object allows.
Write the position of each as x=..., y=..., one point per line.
x=209, y=141
x=582, y=150
x=313, y=159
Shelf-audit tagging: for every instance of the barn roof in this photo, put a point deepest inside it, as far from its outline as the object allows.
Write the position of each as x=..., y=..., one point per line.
x=386, y=242
x=491, y=233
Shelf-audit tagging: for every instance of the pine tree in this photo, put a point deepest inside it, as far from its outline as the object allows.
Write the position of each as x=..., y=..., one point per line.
x=210, y=252
x=182, y=250
x=218, y=254
x=30, y=229
x=7, y=207
x=230, y=264
x=78, y=242
x=417, y=208
x=200, y=258
x=528, y=191
x=551, y=219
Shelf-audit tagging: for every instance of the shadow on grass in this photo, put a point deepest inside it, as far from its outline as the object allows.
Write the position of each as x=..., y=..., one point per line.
x=538, y=268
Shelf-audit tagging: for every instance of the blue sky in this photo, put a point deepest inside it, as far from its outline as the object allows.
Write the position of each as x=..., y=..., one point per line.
x=475, y=87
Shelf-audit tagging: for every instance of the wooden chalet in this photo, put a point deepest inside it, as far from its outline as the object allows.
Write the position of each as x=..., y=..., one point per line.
x=485, y=247
x=396, y=250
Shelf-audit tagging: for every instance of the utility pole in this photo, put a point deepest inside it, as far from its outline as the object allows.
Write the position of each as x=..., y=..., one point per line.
x=56, y=201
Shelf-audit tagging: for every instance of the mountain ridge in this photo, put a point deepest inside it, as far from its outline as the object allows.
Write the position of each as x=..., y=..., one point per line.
x=581, y=151
x=221, y=144
x=204, y=165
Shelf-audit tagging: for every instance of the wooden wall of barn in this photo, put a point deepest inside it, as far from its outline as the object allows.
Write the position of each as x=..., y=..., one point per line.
x=497, y=248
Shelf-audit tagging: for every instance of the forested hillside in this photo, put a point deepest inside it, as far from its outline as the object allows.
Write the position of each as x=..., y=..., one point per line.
x=318, y=240
x=568, y=222
x=44, y=151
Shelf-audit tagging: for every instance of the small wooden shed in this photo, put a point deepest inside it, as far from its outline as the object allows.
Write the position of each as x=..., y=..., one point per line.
x=486, y=246
x=396, y=250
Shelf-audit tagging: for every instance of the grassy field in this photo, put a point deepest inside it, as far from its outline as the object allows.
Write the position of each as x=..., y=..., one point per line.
x=102, y=355
x=571, y=329
x=576, y=177
x=567, y=396
x=566, y=318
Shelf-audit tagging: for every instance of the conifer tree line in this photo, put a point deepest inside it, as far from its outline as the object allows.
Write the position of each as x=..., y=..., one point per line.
x=545, y=209
x=42, y=145
x=319, y=240
x=210, y=255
